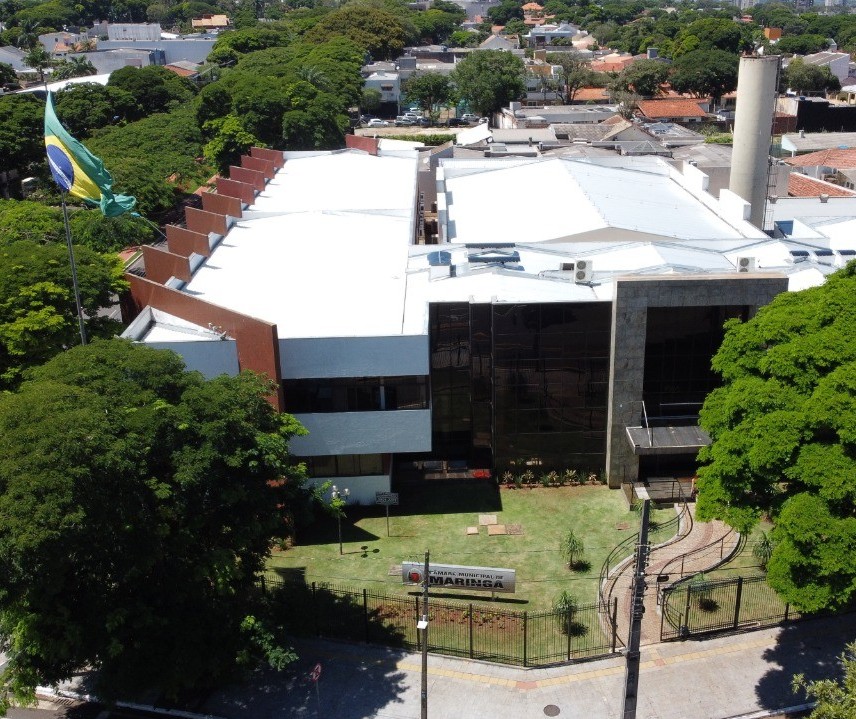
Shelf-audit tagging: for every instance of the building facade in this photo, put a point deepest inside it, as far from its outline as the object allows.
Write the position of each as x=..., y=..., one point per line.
x=568, y=329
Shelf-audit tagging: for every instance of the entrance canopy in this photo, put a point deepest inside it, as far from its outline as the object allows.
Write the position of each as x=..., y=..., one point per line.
x=667, y=440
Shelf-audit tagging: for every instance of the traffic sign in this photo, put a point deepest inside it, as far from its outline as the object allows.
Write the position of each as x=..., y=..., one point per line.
x=386, y=498
x=315, y=674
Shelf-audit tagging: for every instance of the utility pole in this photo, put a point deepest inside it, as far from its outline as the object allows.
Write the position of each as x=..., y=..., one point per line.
x=637, y=609
x=424, y=626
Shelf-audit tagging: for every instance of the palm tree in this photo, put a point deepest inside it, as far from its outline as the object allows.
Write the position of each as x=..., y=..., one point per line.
x=39, y=60
x=73, y=67
x=27, y=34
x=314, y=77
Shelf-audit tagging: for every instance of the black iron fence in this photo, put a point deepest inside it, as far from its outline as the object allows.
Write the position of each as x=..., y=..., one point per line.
x=692, y=608
x=464, y=629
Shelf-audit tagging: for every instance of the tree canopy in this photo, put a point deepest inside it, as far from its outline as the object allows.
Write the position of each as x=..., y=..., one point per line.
x=38, y=317
x=138, y=503
x=783, y=430
x=428, y=89
x=488, y=80
x=804, y=78
x=705, y=72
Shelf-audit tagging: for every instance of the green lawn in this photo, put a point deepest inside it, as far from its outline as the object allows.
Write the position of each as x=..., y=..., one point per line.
x=434, y=516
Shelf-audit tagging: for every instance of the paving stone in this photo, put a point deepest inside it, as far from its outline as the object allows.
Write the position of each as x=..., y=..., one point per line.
x=494, y=529
x=472, y=530
x=487, y=519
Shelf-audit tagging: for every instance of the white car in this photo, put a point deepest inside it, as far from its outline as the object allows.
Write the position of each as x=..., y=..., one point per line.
x=376, y=122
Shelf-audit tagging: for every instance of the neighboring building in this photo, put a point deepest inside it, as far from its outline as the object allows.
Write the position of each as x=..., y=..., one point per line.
x=541, y=35
x=800, y=185
x=563, y=298
x=515, y=115
x=60, y=44
x=123, y=32
x=13, y=56
x=799, y=143
x=211, y=22
x=837, y=62
x=674, y=110
x=388, y=84
x=832, y=166
x=183, y=68
x=498, y=42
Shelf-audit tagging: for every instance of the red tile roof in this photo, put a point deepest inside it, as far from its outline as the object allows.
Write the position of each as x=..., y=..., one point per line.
x=804, y=186
x=839, y=159
x=672, y=107
x=584, y=94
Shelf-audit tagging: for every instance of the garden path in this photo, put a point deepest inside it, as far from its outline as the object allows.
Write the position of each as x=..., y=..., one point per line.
x=701, y=535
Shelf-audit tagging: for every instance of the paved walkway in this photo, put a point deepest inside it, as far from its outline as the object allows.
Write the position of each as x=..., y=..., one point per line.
x=700, y=535
x=723, y=677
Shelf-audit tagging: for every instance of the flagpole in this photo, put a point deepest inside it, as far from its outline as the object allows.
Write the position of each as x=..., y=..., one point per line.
x=73, y=271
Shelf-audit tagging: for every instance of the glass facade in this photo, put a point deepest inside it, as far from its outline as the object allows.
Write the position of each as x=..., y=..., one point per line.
x=520, y=382
x=679, y=344
x=355, y=394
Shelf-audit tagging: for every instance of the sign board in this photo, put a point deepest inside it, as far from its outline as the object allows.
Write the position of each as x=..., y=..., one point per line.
x=315, y=674
x=452, y=576
x=386, y=498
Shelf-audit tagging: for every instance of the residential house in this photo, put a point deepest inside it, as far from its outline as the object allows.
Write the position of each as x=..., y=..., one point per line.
x=680, y=110
x=211, y=22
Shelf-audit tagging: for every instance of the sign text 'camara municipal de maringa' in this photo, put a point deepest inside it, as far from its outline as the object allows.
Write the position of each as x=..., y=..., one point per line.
x=452, y=576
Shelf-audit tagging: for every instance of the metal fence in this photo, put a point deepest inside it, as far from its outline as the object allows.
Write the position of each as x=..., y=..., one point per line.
x=463, y=629
x=692, y=608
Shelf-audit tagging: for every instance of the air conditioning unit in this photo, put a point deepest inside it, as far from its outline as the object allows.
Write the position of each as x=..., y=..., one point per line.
x=745, y=264
x=582, y=271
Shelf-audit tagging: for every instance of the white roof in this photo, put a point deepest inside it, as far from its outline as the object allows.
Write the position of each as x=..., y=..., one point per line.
x=62, y=84
x=556, y=199
x=323, y=251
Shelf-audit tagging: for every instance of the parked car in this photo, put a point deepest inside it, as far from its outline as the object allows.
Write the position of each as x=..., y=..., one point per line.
x=365, y=118
x=423, y=122
x=376, y=122
x=404, y=121
x=455, y=122
x=469, y=118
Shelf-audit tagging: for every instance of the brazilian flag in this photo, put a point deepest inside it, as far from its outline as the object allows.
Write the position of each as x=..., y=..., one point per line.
x=77, y=171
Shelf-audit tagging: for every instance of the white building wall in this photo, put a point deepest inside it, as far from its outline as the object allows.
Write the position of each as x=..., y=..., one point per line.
x=396, y=356
x=363, y=433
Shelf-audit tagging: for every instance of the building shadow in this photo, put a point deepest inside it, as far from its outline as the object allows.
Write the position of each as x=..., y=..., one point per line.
x=810, y=647
x=447, y=496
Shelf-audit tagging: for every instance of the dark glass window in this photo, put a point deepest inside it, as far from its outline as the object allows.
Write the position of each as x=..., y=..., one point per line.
x=512, y=382
x=679, y=345
x=344, y=465
x=355, y=394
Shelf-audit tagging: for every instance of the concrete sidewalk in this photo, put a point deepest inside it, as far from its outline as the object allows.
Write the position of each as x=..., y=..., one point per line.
x=723, y=677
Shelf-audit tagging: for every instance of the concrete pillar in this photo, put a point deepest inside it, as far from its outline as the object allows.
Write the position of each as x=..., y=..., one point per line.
x=753, y=124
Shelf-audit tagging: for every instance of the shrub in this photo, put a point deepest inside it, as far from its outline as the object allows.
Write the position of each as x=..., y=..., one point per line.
x=763, y=550
x=572, y=549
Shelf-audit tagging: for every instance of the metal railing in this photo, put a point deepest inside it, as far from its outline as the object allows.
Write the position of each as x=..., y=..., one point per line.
x=703, y=559
x=722, y=605
x=464, y=629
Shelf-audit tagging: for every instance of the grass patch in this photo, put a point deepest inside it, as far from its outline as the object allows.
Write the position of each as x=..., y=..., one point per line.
x=435, y=516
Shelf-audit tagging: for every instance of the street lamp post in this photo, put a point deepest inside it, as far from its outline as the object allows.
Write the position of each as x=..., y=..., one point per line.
x=337, y=495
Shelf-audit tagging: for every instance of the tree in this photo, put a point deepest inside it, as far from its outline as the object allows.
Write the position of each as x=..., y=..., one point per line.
x=575, y=72
x=74, y=67
x=803, y=78
x=380, y=32
x=643, y=77
x=800, y=44
x=489, y=80
x=88, y=106
x=139, y=504
x=21, y=131
x=39, y=60
x=155, y=88
x=38, y=318
x=371, y=98
x=783, y=437
x=834, y=699
x=230, y=141
x=428, y=89
x=572, y=548
x=7, y=74
x=705, y=72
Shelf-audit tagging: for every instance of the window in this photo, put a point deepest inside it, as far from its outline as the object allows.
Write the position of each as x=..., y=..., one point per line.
x=344, y=465
x=355, y=394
